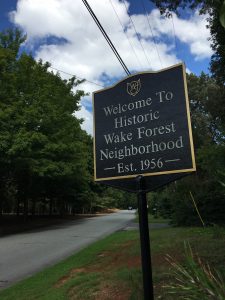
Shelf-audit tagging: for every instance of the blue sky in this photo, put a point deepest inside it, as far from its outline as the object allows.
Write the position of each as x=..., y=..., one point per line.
x=63, y=33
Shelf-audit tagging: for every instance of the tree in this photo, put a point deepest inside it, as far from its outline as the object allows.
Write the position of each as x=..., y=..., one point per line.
x=213, y=9
x=208, y=123
x=43, y=149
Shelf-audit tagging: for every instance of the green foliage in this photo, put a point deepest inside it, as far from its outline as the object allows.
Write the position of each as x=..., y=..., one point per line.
x=207, y=112
x=159, y=204
x=221, y=175
x=46, y=160
x=208, y=124
x=175, y=202
x=43, y=150
x=215, y=13
x=195, y=280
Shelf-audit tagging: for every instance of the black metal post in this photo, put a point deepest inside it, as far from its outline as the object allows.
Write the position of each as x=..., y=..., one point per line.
x=145, y=240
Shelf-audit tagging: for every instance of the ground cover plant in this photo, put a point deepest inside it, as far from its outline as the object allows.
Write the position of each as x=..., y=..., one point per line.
x=195, y=279
x=111, y=268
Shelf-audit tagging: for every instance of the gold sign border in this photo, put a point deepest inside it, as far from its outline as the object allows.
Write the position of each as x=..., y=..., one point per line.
x=193, y=169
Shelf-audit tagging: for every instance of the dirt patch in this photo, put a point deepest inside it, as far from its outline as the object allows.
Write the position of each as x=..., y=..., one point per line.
x=160, y=262
x=109, y=261
x=116, y=261
x=106, y=262
x=108, y=291
x=112, y=260
x=66, y=278
x=161, y=259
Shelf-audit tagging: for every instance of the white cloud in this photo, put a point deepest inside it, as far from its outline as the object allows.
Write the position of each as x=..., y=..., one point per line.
x=87, y=124
x=86, y=53
x=192, y=31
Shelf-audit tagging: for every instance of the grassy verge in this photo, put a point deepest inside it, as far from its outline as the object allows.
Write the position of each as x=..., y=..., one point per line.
x=110, y=269
x=153, y=219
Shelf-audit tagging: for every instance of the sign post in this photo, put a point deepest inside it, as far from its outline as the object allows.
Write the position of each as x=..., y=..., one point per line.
x=145, y=241
x=142, y=133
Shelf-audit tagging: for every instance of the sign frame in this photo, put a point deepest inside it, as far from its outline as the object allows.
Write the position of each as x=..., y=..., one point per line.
x=179, y=170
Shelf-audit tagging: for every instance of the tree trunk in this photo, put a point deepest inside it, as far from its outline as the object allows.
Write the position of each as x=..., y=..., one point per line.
x=18, y=207
x=1, y=206
x=33, y=207
x=62, y=209
x=2, y=194
x=50, y=207
x=91, y=207
x=25, y=208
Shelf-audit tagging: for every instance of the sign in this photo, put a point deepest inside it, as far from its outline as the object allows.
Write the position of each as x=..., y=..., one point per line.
x=152, y=183
x=142, y=126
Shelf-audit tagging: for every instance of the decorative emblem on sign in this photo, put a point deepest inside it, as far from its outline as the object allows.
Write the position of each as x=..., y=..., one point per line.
x=134, y=87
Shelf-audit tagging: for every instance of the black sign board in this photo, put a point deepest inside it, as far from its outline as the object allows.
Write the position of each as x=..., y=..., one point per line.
x=142, y=126
x=152, y=183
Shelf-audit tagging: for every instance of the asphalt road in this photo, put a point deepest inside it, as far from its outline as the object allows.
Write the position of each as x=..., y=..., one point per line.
x=22, y=255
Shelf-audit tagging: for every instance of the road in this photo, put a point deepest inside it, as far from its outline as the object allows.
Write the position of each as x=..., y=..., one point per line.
x=22, y=255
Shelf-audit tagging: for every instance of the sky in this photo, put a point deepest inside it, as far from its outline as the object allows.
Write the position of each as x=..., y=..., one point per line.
x=63, y=33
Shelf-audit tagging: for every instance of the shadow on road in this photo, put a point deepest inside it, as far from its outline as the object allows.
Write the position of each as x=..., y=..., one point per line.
x=11, y=224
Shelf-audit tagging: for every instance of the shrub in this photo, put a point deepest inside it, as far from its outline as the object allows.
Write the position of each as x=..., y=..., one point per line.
x=195, y=280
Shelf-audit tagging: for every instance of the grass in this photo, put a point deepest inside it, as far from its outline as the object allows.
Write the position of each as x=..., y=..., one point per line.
x=159, y=219
x=110, y=268
x=153, y=219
